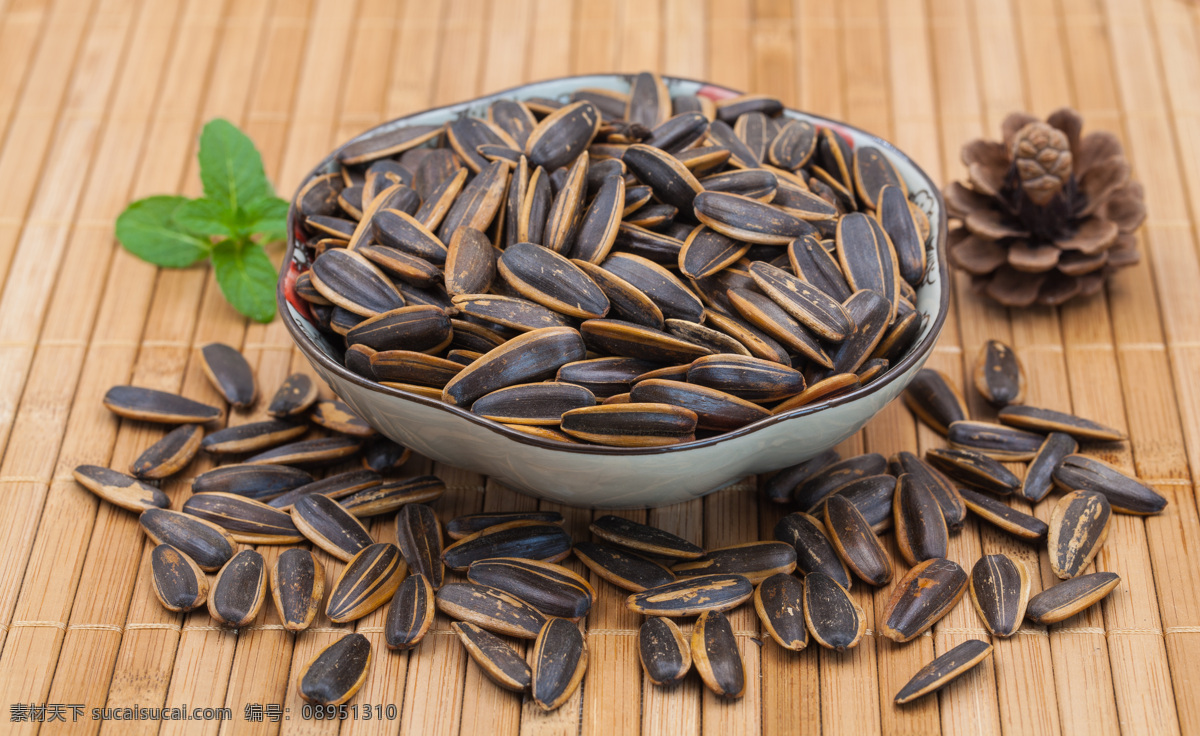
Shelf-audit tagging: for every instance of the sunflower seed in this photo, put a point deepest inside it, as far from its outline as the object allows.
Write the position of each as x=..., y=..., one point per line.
x=337, y=673
x=551, y=280
x=560, y=656
x=759, y=184
x=670, y=294
x=935, y=401
x=1001, y=515
x=528, y=540
x=1078, y=527
x=246, y=520
x=404, y=266
x=873, y=173
x=337, y=416
x=1070, y=597
x=406, y=366
x=498, y=660
x=435, y=204
x=812, y=307
x=974, y=469
x=1047, y=420
x=629, y=340
x=626, y=300
x=251, y=437
x=779, y=601
x=693, y=596
x=529, y=357
x=552, y=589
x=296, y=394
x=514, y=118
x=419, y=536
x=410, y=614
x=179, y=584
x=715, y=652
x=561, y=136
x=867, y=258
x=631, y=425
x=810, y=493
x=297, y=587
x=868, y=312
x=922, y=598
x=648, y=103
x=604, y=377
x=490, y=609
x=533, y=403
x=148, y=405
x=855, y=541
x=755, y=560
x=997, y=441
x=387, y=143
x=740, y=155
x=353, y=283
x=1125, y=494
x=921, y=532
x=671, y=181
x=470, y=336
x=422, y=328
x=466, y=134
x=229, y=373
x=535, y=206
x=954, y=511
x=814, y=551
x=897, y=220
x=598, y=229
x=338, y=227
x=1000, y=592
x=366, y=583
x=834, y=619
x=330, y=527
x=749, y=220
x=476, y=206
x=999, y=376
x=334, y=486
x=714, y=409
x=942, y=670
x=823, y=389
x=770, y=318
x=812, y=263
x=746, y=377
x=308, y=452
x=1039, y=478
x=758, y=343
x=319, y=196
x=793, y=145
x=408, y=234
x=665, y=654
x=872, y=496
x=623, y=569
x=239, y=590
x=119, y=489
x=205, y=543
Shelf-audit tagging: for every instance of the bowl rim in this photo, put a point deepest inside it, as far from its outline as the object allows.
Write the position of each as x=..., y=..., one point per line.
x=314, y=353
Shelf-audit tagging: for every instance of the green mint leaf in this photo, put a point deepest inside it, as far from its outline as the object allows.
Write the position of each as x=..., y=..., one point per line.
x=246, y=277
x=205, y=216
x=267, y=216
x=148, y=229
x=230, y=167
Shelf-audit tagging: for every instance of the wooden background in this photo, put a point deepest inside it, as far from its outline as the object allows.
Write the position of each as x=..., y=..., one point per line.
x=101, y=101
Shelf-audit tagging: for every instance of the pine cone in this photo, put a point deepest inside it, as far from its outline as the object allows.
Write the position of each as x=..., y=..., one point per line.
x=1046, y=215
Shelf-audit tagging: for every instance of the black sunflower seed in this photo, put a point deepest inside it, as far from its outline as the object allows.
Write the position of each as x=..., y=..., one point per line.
x=246, y=520
x=629, y=340
x=706, y=251
x=740, y=155
x=922, y=598
x=560, y=656
x=562, y=219
x=626, y=570
x=318, y=196
x=779, y=601
x=715, y=653
x=755, y=560
x=867, y=258
x=1001, y=515
x=526, y=539
x=419, y=535
x=933, y=398
x=1125, y=494
x=627, y=302
x=770, y=318
x=435, y=204
x=330, y=527
x=898, y=222
x=148, y=405
x=670, y=294
x=1000, y=591
x=997, y=441
x=714, y=409
x=297, y=587
x=404, y=266
x=954, y=511
x=941, y=671
x=746, y=377
x=119, y=489
x=974, y=469
x=1048, y=420
x=308, y=452
x=665, y=654
x=814, y=309
x=1039, y=478
x=561, y=136
x=514, y=118
x=869, y=313
x=1070, y=597
x=179, y=584
x=490, y=609
x=814, y=551
x=410, y=614
x=811, y=492
x=391, y=495
x=873, y=497
x=251, y=437
x=834, y=619
x=338, y=672
x=598, y=229
x=529, y=357
x=406, y=366
x=810, y=261
x=921, y=531
x=239, y=590
x=466, y=134
x=693, y=596
x=476, y=206
x=229, y=373
x=366, y=583
x=793, y=145
x=671, y=181
x=205, y=543
x=463, y=526
x=679, y=131
x=855, y=541
x=749, y=220
x=533, y=403
x=552, y=589
x=353, y=283
x=1078, y=527
x=759, y=184
x=387, y=143
x=295, y=396
x=551, y=280
x=420, y=328
x=873, y=172
x=999, y=377
x=498, y=660
x=604, y=377
x=334, y=486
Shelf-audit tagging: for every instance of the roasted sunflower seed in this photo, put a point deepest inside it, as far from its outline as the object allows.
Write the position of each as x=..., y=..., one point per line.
x=119, y=489
x=251, y=437
x=490, y=609
x=933, y=398
x=644, y=538
x=811, y=492
x=1068, y=598
x=239, y=590
x=834, y=619
x=974, y=469
x=631, y=425
x=922, y=598
x=179, y=584
x=954, y=511
x=1001, y=515
x=170, y=454
x=665, y=653
x=755, y=560
x=366, y=583
x=997, y=441
x=873, y=497
x=419, y=536
x=552, y=589
x=353, y=283
x=247, y=521
x=779, y=601
x=921, y=532
x=560, y=656
x=337, y=672
x=749, y=220
x=148, y=405
x=714, y=409
x=769, y=317
x=1125, y=494
x=533, y=403
x=205, y=543
x=868, y=312
x=941, y=671
x=814, y=551
x=391, y=495
x=528, y=357
x=297, y=587
x=1048, y=420
x=693, y=596
x=810, y=306
x=498, y=660
x=295, y=396
x=528, y=540
x=1039, y=478
x=811, y=262
x=1078, y=527
x=746, y=377
x=855, y=541
x=622, y=568
x=463, y=526
x=229, y=373
x=334, y=486
x=330, y=527
x=410, y=614
x=1000, y=591
x=715, y=652
x=308, y=452
x=999, y=376
x=422, y=328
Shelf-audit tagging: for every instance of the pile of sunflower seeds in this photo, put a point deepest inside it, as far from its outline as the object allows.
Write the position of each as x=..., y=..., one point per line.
x=621, y=269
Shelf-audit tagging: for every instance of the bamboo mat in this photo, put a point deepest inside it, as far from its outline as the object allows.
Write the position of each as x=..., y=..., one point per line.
x=101, y=101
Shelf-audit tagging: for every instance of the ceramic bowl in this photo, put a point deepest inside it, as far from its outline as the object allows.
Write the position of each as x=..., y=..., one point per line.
x=608, y=477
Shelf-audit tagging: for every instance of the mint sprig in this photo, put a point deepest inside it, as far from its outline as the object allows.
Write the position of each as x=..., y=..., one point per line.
x=238, y=214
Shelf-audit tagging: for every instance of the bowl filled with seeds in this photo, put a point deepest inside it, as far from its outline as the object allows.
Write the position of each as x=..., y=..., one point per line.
x=616, y=290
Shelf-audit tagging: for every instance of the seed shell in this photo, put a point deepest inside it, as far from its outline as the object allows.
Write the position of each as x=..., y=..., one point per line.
x=353, y=283
x=169, y=455
x=629, y=340
x=1000, y=592
x=1039, y=478
x=810, y=306
x=476, y=206
x=714, y=409
x=251, y=437
x=666, y=290
x=490, y=609
x=552, y=589
x=421, y=328
x=810, y=493
x=715, y=652
x=626, y=301
x=748, y=220
x=498, y=660
x=706, y=251
x=693, y=596
x=205, y=543
x=1126, y=495
x=330, y=527
x=757, y=561
x=954, y=511
x=529, y=357
x=297, y=587
x=869, y=313
x=999, y=376
x=528, y=540
x=855, y=541
x=119, y=489
x=793, y=145
x=671, y=181
x=295, y=396
x=740, y=156
x=898, y=222
x=560, y=656
x=922, y=598
x=334, y=486
x=974, y=469
x=387, y=143
x=664, y=651
x=766, y=315
x=1048, y=420
x=941, y=671
x=148, y=405
x=921, y=532
x=814, y=551
x=1078, y=527
x=179, y=583
x=1001, y=515
x=337, y=672
x=997, y=441
x=239, y=590
x=644, y=538
x=631, y=425
x=935, y=401
x=604, y=377
x=758, y=343
x=410, y=614
x=551, y=280
x=812, y=263
x=867, y=258
x=259, y=482
x=320, y=451
x=246, y=520
x=406, y=366
x=366, y=583
x=391, y=495
x=873, y=496
x=624, y=569
x=533, y=403
x=1070, y=597
x=779, y=601
x=463, y=526
x=560, y=137
x=825, y=388
x=746, y=377
x=229, y=373
x=419, y=536
x=833, y=618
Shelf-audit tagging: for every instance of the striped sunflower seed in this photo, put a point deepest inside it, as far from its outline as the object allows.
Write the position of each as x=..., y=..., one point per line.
x=749, y=220
x=671, y=181
x=810, y=306
x=999, y=514
x=793, y=145
x=498, y=660
x=179, y=583
x=551, y=280
x=119, y=489
x=757, y=561
x=229, y=373
x=393, y=494
x=528, y=357
x=470, y=262
x=746, y=377
x=148, y=405
x=666, y=290
x=833, y=618
x=922, y=598
x=1062, y=601
x=944, y=669
x=868, y=259
x=330, y=527
x=321, y=451
x=900, y=224
x=170, y=454
x=421, y=328
x=714, y=409
x=297, y=587
x=353, y=283
x=247, y=521
x=873, y=496
x=337, y=416
x=779, y=601
x=487, y=608
x=552, y=589
x=814, y=551
x=999, y=376
x=855, y=541
x=766, y=315
x=810, y=493
x=334, y=486
x=295, y=396
x=631, y=425
x=665, y=654
x=624, y=569
x=919, y=472
x=693, y=596
x=706, y=252
x=524, y=539
x=715, y=652
x=463, y=526
x=419, y=536
x=811, y=262
x=644, y=538
x=1048, y=420
x=251, y=437
x=1000, y=592
x=387, y=143
x=935, y=401
x=533, y=403
x=974, y=469
x=629, y=340
x=205, y=543
x=337, y=672
x=239, y=590
x=1126, y=495
x=410, y=614
x=366, y=583
x=560, y=136
x=1078, y=527
x=560, y=656
x=921, y=532
x=1039, y=478
x=406, y=366
x=869, y=313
